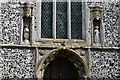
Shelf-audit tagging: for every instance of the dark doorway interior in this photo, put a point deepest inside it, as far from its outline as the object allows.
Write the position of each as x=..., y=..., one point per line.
x=60, y=69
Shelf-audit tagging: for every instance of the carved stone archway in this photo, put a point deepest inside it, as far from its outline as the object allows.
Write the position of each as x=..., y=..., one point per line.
x=78, y=62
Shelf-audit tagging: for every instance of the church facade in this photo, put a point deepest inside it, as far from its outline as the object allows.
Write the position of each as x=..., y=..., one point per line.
x=59, y=40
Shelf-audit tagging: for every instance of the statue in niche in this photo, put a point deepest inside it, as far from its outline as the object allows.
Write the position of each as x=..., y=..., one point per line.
x=96, y=35
x=26, y=34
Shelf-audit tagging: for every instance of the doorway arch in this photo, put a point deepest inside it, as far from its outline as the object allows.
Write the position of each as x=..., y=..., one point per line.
x=60, y=69
x=77, y=63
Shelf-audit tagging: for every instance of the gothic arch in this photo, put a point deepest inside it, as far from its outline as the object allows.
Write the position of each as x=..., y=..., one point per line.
x=76, y=59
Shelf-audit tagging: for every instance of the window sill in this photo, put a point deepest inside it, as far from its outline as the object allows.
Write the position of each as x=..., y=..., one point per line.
x=61, y=40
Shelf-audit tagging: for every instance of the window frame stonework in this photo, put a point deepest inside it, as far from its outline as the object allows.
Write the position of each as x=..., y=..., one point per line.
x=39, y=38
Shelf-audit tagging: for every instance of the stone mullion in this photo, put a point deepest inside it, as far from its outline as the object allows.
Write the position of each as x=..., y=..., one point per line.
x=36, y=61
x=21, y=17
x=69, y=19
x=54, y=19
x=39, y=4
x=33, y=24
x=102, y=30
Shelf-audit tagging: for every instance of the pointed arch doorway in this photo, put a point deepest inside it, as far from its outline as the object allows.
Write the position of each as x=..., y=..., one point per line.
x=62, y=64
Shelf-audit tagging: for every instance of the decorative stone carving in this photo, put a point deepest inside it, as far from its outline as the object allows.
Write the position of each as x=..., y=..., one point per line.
x=27, y=10
x=96, y=35
x=26, y=34
x=82, y=53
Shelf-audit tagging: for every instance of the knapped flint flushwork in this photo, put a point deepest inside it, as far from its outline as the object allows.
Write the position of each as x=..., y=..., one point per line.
x=110, y=22
x=10, y=22
x=19, y=62
x=105, y=64
x=16, y=63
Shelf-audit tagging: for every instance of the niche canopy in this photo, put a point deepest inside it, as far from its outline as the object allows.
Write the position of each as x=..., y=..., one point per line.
x=27, y=9
x=96, y=10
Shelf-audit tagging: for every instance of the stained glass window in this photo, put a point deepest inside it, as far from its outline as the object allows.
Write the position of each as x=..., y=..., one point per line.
x=46, y=20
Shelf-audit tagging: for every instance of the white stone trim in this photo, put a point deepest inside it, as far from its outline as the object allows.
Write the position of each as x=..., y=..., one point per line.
x=69, y=19
x=32, y=27
x=21, y=29
x=21, y=37
x=83, y=20
x=39, y=19
x=54, y=19
x=102, y=30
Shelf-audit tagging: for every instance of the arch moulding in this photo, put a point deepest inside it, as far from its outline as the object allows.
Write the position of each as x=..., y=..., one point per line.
x=76, y=59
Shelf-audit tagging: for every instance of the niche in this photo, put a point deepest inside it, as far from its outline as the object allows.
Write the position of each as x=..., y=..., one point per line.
x=27, y=22
x=97, y=29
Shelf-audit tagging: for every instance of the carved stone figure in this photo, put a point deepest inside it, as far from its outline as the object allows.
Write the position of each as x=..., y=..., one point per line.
x=26, y=34
x=96, y=35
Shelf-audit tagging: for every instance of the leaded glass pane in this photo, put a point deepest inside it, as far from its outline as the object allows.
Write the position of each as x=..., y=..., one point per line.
x=76, y=20
x=61, y=20
x=46, y=20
